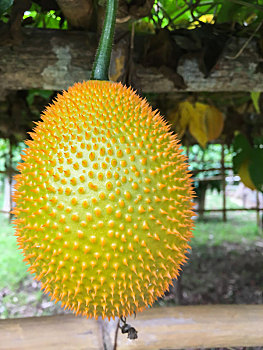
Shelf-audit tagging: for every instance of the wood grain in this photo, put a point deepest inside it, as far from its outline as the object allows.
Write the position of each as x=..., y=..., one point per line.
x=158, y=328
x=196, y=326
x=55, y=59
x=63, y=332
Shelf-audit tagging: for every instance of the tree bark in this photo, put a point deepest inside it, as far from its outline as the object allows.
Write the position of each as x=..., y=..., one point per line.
x=55, y=59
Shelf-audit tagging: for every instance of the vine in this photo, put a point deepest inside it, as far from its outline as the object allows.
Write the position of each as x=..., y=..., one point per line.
x=102, y=60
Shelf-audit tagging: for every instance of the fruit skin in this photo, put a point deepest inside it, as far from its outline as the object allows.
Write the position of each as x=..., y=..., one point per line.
x=103, y=201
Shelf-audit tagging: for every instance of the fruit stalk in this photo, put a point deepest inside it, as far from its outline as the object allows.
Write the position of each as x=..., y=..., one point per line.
x=102, y=59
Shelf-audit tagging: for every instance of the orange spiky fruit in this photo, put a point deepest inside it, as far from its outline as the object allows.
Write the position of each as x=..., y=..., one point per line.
x=103, y=201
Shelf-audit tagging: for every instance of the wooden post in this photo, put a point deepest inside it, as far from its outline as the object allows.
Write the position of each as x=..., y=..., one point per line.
x=223, y=181
x=10, y=178
x=179, y=289
x=109, y=330
x=259, y=215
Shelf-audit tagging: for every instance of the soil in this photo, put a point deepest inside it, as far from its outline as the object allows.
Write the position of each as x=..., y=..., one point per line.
x=225, y=274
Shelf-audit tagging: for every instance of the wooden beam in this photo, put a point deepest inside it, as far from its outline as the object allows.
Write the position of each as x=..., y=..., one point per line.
x=50, y=333
x=158, y=328
x=55, y=59
x=196, y=327
x=47, y=59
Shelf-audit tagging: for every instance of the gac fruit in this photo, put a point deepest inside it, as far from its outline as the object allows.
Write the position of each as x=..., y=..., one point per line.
x=103, y=201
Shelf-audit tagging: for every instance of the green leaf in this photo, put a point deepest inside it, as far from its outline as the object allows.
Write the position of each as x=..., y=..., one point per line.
x=4, y=5
x=238, y=160
x=255, y=95
x=241, y=144
x=238, y=11
x=256, y=168
x=36, y=92
x=227, y=11
x=243, y=150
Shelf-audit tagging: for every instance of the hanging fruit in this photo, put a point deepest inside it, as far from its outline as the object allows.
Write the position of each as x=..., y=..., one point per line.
x=103, y=198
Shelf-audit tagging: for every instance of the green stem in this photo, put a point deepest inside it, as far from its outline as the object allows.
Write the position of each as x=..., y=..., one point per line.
x=101, y=64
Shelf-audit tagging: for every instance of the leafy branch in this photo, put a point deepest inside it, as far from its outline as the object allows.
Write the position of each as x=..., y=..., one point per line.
x=181, y=13
x=245, y=3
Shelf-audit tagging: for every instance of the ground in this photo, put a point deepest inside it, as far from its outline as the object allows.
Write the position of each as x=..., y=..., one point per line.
x=227, y=274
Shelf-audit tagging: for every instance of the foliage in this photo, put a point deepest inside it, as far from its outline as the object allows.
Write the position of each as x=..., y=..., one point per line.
x=35, y=17
x=171, y=14
x=205, y=122
x=213, y=232
x=255, y=95
x=44, y=19
x=248, y=162
x=5, y=161
x=45, y=94
x=3, y=154
x=12, y=269
x=183, y=13
x=208, y=158
x=5, y=5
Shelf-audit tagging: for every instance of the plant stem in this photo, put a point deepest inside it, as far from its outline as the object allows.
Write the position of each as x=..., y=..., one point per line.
x=102, y=60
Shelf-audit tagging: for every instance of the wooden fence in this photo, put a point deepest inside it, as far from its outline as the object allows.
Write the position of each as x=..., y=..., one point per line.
x=221, y=176
x=158, y=328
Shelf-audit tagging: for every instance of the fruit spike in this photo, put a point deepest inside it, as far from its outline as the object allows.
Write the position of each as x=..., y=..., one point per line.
x=103, y=201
